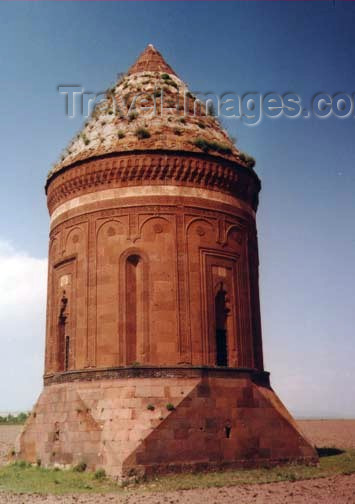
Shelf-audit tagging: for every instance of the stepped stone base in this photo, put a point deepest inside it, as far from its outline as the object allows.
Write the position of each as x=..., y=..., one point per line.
x=122, y=420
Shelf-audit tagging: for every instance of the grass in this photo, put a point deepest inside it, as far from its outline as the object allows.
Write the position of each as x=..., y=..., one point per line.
x=23, y=478
x=28, y=479
x=85, y=139
x=142, y=133
x=206, y=146
x=249, y=160
x=19, y=419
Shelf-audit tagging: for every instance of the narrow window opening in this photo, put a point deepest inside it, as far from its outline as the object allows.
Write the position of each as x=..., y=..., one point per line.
x=133, y=308
x=61, y=362
x=67, y=350
x=221, y=312
x=228, y=430
x=56, y=432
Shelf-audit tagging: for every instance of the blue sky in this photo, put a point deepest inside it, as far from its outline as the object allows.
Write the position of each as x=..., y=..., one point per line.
x=307, y=207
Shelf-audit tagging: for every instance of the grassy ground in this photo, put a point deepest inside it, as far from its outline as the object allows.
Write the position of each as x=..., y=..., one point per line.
x=20, y=477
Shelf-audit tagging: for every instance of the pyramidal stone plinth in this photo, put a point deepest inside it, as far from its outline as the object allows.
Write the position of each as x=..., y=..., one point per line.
x=154, y=359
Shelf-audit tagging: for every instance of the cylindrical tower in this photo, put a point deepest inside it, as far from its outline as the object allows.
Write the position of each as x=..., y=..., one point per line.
x=153, y=303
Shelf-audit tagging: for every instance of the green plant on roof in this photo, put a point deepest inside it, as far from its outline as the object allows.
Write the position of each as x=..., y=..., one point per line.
x=142, y=133
x=132, y=116
x=170, y=407
x=121, y=134
x=206, y=145
x=249, y=160
x=165, y=76
x=151, y=407
x=85, y=139
x=201, y=125
x=172, y=83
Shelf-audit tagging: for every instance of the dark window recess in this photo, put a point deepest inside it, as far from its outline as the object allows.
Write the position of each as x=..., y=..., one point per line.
x=133, y=294
x=67, y=349
x=227, y=430
x=221, y=312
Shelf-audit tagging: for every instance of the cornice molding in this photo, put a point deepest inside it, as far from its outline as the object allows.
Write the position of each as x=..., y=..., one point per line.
x=137, y=168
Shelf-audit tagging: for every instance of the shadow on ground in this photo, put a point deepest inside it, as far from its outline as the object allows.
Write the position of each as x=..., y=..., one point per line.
x=328, y=452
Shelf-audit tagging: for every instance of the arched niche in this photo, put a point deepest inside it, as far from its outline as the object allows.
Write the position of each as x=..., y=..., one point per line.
x=111, y=241
x=200, y=234
x=158, y=240
x=133, y=305
x=74, y=241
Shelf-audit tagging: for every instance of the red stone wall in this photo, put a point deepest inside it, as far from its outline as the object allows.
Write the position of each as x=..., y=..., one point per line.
x=188, y=248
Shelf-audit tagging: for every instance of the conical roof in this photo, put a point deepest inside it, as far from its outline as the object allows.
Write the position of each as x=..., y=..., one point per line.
x=150, y=108
x=150, y=60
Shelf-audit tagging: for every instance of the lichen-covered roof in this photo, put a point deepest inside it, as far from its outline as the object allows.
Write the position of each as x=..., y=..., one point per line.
x=150, y=108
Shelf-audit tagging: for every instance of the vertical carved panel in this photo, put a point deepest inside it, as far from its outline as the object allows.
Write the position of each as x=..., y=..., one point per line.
x=92, y=280
x=134, y=307
x=221, y=276
x=201, y=233
x=111, y=242
x=50, y=342
x=255, y=300
x=76, y=245
x=157, y=239
x=64, y=313
x=182, y=282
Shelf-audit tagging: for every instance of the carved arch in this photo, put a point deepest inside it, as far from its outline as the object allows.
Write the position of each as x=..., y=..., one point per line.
x=106, y=222
x=235, y=227
x=199, y=219
x=152, y=217
x=70, y=232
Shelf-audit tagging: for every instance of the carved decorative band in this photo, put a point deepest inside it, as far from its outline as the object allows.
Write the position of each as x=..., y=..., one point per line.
x=153, y=169
x=258, y=377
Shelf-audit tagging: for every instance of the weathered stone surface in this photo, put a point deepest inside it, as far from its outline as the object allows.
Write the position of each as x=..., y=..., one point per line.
x=69, y=425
